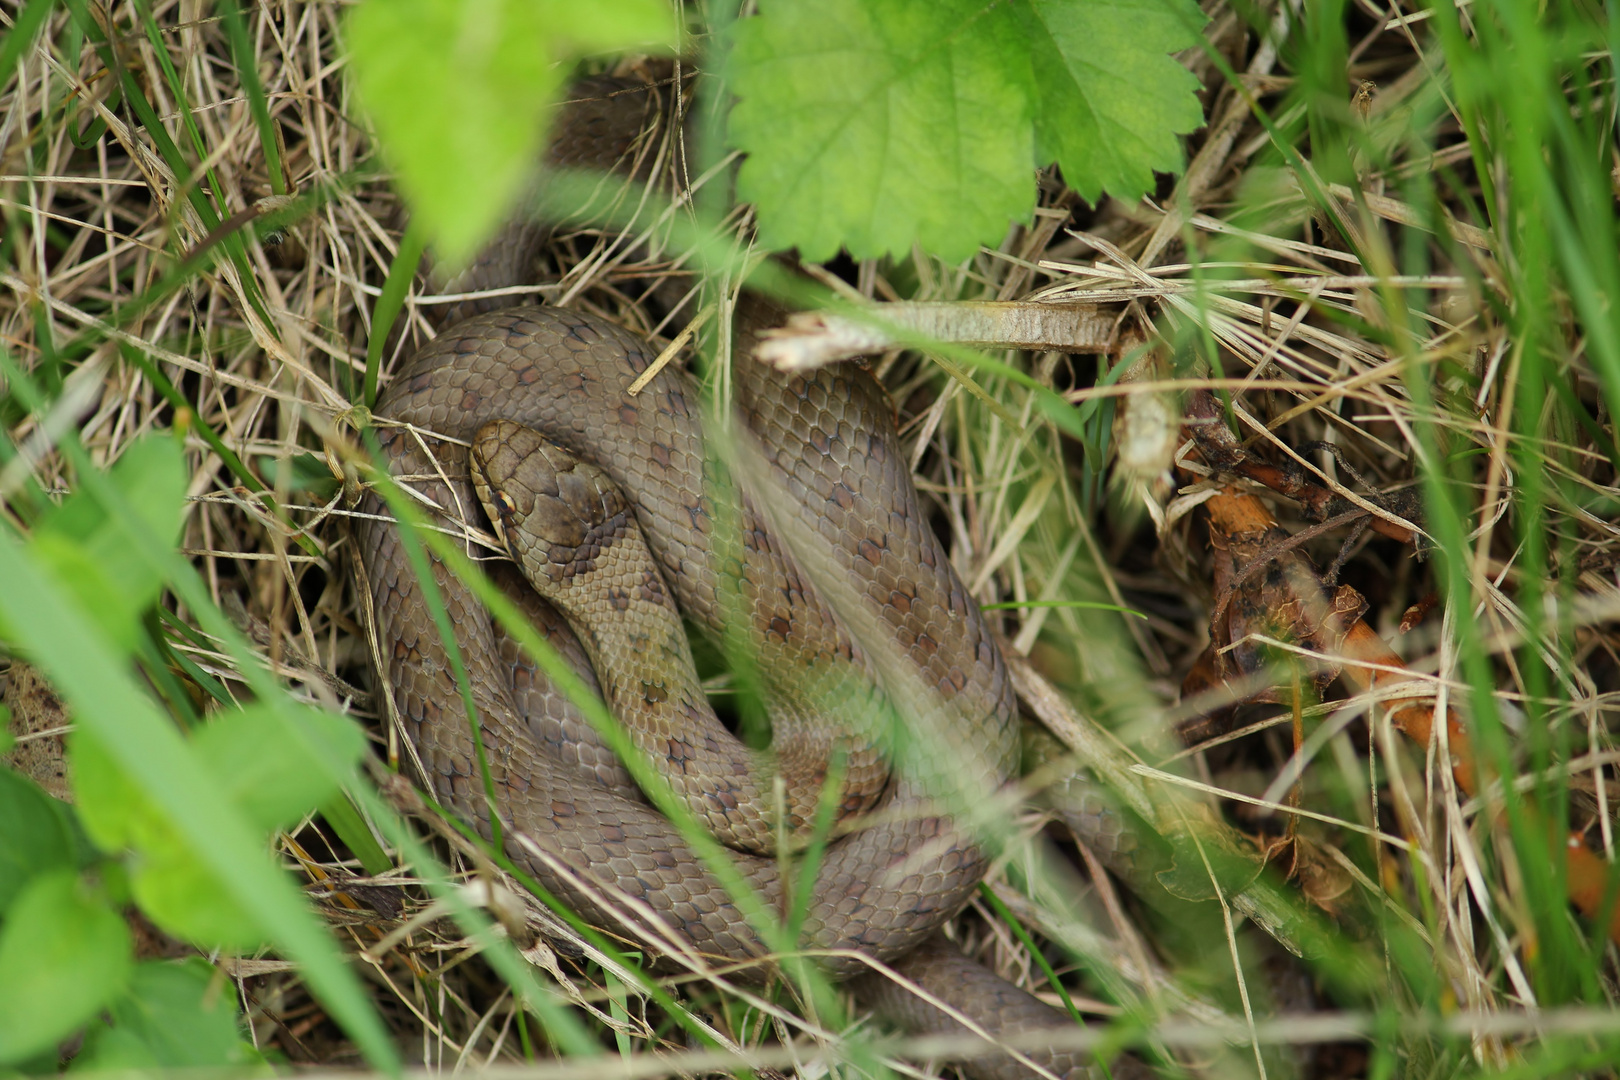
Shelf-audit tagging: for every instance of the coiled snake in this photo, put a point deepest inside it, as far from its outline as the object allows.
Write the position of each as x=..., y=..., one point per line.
x=575, y=472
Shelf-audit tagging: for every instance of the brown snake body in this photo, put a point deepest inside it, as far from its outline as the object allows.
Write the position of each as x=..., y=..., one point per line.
x=828, y=471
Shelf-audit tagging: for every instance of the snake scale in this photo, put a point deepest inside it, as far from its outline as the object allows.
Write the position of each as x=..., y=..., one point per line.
x=626, y=477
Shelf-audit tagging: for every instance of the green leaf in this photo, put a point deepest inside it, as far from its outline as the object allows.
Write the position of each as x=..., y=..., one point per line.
x=175, y=888
x=63, y=955
x=1111, y=99
x=301, y=472
x=276, y=779
x=151, y=474
x=460, y=90
x=35, y=836
x=115, y=812
x=115, y=603
x=24, y=27
x=175, y=1015
x=875, y=126
x=183, y=896
x=275, y=770
x=1196, y=855
x=95, y=557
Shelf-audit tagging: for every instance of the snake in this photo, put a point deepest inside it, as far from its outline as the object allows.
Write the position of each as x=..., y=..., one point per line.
x=613, y=529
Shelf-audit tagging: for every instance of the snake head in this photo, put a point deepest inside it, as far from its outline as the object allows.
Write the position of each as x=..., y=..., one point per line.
x=553, y=512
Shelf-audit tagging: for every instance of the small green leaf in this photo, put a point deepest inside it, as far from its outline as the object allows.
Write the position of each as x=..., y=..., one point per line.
x=171, y=885
x=63, y=955
x=34, y=836
x=95, y=558
x=301, y=472
x=179, y=893
x=175, y=1015
x=460, y=90
x=114, y=811
x=114, y=602
x=277, y=775
x=274, y=771
x=154, y=759
x=151, y=474
x=1196, y=854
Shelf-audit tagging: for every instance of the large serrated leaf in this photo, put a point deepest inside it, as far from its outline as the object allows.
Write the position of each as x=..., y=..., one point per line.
x=876, y=126
x=1111, y=99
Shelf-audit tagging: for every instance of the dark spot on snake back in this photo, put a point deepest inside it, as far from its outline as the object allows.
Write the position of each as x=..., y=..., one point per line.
x=677, y=752
x=652, y=587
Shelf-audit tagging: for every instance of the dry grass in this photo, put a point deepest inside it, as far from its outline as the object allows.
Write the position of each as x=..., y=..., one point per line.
x=1299, y=332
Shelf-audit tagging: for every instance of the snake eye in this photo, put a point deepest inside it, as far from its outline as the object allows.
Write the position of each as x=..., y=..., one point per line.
x=508, y=509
